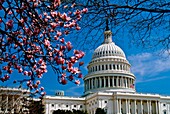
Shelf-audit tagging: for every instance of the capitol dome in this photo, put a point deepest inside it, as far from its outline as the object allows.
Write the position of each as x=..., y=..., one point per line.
x=109, y=49
x=109, y=70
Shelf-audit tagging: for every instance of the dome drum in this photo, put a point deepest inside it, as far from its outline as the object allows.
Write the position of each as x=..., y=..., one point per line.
x=109, y=83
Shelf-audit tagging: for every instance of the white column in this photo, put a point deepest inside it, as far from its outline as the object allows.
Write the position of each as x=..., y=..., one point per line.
x=113, y=81
x=157, y=107
x=92, y=83
x=150, y=107
x=100, y=84
x=117, y=81
x=126, y=106
x=104, y=81
x=108, y=81
x=120, y=106
x=141, y=107
x=126, y=82
x=116, y=106
x=135, y=106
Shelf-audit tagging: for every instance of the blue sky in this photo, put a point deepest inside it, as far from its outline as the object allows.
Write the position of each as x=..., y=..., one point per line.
x=152, y=71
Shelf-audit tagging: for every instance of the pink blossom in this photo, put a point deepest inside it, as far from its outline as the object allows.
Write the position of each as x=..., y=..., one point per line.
x=65, y=17
x=77, y=82
x=53, y=14
x=69, y=46
x=71, y=77
x=38, y=82
x=59, y=33
x=47, y=43
x=62, y=40
x=81, y=63
x=73, y=59
x=77, y=12
x=10, y=24
x=42, y=88
x=25, y=72
x=80, y=75
x=29, y=73
x=0, y=20
x=10, y=12
x=78, y=28
x=43, y=93
x=75, y=70
x=63, y=81
x=6, y=77
x=53, y=25
x=85, y=10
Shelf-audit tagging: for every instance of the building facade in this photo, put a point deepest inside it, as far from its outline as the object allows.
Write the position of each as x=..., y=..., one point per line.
x=109, y=84
x=12, y=100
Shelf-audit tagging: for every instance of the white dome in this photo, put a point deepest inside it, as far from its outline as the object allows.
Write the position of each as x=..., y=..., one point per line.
x=109, y=70
x=109, y=49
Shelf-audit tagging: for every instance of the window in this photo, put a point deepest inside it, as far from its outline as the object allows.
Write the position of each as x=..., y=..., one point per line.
x=117, y=67
x=111, y=82
x=110, y=66
x=99, y=67
x=74, y=106
x=52, y=105
x=106, y=81
x=102, y=82
x=164, y=104
x=66, y=105
x=81, y=106
x=164, y=111
x=113, y=66
x=105, y=101
x=106, y=67
x=102, y=67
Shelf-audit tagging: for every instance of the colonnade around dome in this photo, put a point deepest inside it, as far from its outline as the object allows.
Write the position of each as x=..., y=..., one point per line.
x=108, y=82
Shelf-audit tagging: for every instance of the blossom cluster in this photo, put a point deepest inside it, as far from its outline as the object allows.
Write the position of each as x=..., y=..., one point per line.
x=32, y=38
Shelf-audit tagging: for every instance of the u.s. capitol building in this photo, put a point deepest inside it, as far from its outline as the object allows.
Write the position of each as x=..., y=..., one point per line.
x=109, y=84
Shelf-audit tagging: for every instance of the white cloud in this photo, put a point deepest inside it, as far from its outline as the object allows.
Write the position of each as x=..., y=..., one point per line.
x=147, y=66
x=73, y=90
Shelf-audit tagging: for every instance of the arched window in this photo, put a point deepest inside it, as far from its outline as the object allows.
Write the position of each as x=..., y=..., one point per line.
x=111, y=84
x=114, y=66
x=106, y=67
x=96, y=68
x=110, y=67
x=106, y=81
x=115, y=82
x=102, y=82
x=117, y=67
x=102, y=67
